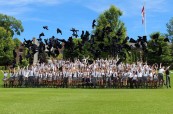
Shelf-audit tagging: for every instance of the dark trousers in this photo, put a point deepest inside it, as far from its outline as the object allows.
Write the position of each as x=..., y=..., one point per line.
x=168, y=84
x=160, y=77
x=20, y=80
x=65, y=82
x=130, y=81
x=135, y=83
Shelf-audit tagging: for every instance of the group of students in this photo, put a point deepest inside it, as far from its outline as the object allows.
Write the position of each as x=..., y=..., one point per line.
x=80, y=74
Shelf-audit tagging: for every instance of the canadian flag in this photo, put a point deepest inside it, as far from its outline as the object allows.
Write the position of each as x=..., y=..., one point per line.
x=143, y=15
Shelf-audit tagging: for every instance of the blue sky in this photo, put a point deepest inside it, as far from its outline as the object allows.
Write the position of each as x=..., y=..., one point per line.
x=65, y=14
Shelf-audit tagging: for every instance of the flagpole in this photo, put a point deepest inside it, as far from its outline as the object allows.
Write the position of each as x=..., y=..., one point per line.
x=145, y=25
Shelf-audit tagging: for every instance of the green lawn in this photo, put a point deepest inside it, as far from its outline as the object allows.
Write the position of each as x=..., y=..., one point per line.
x=85, y=101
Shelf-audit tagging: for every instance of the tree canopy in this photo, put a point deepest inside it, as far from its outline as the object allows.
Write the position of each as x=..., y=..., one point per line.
x=6, y=47
x=11, y=24
x=8, y=27
x=156, y=46
x=109, y=29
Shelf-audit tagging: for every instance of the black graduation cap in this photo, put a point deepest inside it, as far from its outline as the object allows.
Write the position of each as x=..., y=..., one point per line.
x=87, y=33
x=27, y=42
x=82, y=35
x=119, y=61
x=46, y=41
x=56, y=51
x=45, y=27
x=41, y=47
x=93, y=23
x=62, y=40
x=53, y=37
x=166, y=40
x=58, y=31
x=144, y=38
x=155, y=36
x=39, y=39
x=75, y=35
x=139, y=39
x=90, y=61
x=70, y=39
x=34, y=48
x=132, y=40
x=59, y=45
x=137, y=45
x=41, y=34
x=126, y=46
x=74, y=32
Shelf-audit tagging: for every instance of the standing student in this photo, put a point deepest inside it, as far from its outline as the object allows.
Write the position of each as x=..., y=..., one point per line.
x=11, y=79
x=167, y=72
x=5, y=78
x=160, y=75
x=135, y=79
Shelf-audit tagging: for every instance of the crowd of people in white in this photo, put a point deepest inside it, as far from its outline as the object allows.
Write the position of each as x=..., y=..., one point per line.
x=99, y=74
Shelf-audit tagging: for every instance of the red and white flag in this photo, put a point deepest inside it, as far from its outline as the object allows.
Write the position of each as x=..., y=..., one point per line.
x=143, y=15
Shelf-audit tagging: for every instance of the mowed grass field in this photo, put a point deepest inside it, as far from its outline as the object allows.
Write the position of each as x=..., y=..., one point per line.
x=85, y=101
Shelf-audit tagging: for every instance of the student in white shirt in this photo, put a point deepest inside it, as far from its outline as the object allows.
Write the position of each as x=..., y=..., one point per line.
x=5, y=78
x=135, y=79
x=160, y=75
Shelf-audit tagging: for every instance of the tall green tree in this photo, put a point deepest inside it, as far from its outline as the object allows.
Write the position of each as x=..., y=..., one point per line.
x=169, y=33
x=6, y=47
x=115, y=29
x=153, y=47
x=11, y=24
x=169, y=26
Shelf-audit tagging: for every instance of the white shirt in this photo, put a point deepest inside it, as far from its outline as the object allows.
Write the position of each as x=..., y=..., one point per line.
x=139, y=74
x=134, y=77
x=161, y=70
